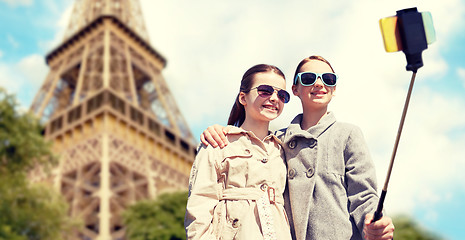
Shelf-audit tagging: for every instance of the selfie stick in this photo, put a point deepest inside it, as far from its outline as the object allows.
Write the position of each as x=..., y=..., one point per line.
x=411, y=32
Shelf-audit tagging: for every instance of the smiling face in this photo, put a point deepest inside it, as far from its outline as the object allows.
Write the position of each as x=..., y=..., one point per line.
x=263, y=108
x=318, y=95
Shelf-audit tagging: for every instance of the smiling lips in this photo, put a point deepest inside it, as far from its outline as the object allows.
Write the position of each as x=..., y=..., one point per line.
x=270, y=107
x=318, y=93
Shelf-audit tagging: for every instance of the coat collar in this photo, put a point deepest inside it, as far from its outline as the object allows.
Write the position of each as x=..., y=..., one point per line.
x=294, y=129
x=237, y=130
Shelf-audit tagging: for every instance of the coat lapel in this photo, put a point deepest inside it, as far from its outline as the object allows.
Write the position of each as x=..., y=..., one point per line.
x=301, y=191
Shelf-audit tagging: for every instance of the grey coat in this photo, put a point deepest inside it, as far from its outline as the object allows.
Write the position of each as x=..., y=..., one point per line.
x=331, y=180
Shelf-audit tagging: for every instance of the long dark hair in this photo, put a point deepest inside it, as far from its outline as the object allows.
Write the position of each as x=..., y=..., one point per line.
x=237, y=115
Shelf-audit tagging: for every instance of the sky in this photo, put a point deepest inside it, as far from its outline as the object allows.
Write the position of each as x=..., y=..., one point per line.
x=209, y=44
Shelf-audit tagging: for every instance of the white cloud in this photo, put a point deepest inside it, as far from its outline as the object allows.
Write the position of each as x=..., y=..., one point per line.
x=60, y=26
x=428, y=158
x=15, y=3
x=33, y=68
x=23, y=77
x=8, y=78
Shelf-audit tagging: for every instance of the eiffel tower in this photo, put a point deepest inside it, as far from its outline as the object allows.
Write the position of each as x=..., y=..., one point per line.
x=111, y=117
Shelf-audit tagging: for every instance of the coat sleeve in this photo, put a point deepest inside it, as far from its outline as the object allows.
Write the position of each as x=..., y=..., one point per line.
x=204, y=193
x=360, y=178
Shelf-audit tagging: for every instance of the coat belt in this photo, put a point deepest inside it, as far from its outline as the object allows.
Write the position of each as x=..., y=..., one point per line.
x=251, y=194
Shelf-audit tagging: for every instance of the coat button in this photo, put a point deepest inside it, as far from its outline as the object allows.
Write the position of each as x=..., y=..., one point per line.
x=292, y=144
x=264, y=160
x=291, y=173
x=312, y=143
x=310, y=172
x=263, y=187
x=235, y=223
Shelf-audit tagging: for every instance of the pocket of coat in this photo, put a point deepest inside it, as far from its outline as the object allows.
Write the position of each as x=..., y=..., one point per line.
x=236, y=162
x=228, y=232
x=232, y=221
x=217, y=223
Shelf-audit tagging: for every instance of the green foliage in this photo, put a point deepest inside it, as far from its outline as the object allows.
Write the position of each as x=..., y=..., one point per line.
x=162, y=219
x=407, y=229
x=21, y=143
x=27, y=211
x=7, y=234
x=31, y=211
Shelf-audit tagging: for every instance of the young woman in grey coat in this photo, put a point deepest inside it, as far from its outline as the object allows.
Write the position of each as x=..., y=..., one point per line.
x=331, y=189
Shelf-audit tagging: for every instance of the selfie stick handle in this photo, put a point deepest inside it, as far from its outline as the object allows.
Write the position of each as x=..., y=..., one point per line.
x=379, y=210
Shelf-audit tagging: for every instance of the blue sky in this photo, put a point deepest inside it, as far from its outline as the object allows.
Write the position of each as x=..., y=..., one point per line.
x=209, y=44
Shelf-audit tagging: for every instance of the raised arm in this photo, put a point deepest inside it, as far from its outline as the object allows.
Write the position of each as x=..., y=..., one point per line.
x=360, y=177
x=215, y=136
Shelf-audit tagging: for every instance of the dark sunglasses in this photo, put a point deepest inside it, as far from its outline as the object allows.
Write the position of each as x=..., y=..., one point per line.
x=267, y=90
x=309, y=78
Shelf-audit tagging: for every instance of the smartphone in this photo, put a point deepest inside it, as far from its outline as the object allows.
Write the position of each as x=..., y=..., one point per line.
x=391, y=36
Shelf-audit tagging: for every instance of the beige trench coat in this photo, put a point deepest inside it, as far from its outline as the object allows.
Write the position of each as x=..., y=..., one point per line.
x=225, y=185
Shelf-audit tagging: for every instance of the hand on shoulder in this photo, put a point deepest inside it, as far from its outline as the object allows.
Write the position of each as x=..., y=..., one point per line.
x=215, y=136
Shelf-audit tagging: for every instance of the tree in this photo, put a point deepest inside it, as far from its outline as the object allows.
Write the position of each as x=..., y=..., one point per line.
x=31, y=211
x=27, y=211
x=22, y=146
x=160, y=219
x=408, y=229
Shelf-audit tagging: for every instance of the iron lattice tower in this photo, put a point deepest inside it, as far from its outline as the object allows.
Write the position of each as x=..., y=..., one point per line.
x=113, y=121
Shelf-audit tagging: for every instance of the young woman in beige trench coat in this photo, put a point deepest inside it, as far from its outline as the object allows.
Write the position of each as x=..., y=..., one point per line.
x=237, y=192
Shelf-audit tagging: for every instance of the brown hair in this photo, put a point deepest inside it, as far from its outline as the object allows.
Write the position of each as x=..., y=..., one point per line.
x=308, y=59
x=237, y=115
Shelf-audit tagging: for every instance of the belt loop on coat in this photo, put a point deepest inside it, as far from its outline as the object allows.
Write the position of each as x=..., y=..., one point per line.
x=271, y=195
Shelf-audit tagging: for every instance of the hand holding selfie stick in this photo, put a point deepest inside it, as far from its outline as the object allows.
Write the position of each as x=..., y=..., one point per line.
x=411, y=32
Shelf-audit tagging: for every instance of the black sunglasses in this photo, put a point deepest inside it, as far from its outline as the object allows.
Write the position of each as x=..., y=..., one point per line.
x=309, y=78
x=267, y=90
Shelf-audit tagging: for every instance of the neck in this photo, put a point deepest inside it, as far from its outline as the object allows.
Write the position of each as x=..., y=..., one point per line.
x=260, y=129
x=311, y=117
